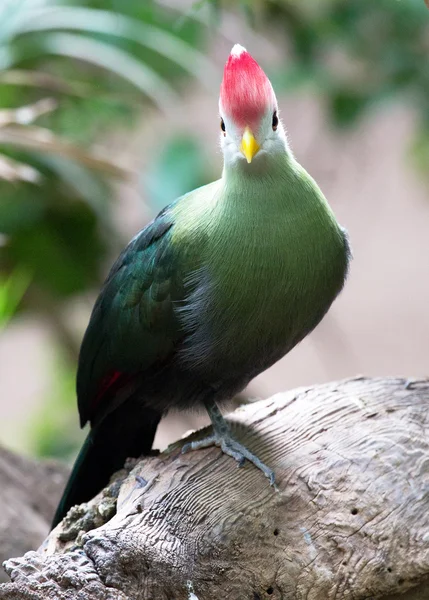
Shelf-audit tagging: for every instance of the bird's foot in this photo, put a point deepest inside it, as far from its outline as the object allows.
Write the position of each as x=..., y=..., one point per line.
x=233, y=448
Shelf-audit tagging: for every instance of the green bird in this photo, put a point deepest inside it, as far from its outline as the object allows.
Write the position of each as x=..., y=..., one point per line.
x=218, y=287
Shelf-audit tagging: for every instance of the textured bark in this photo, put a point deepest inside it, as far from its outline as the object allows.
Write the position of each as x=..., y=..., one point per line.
x=347, y=519
x=29, y=492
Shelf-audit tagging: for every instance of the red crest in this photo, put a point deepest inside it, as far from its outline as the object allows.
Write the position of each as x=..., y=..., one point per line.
x=246, y=92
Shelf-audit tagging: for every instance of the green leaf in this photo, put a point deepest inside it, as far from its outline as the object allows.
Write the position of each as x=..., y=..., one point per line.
x=346, y=106
x=179, y=169
x=18, y=209
x=12, y=289
x=107, y=23
x=85, y=183
x=63, y=252
x=419, y=149
x=102, y=54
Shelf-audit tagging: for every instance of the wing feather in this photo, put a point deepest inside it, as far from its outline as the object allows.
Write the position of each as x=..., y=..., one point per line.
x=133, y=324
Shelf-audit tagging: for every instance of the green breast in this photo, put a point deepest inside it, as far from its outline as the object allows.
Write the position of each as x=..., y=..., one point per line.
x=273, y=258
x=275, y=284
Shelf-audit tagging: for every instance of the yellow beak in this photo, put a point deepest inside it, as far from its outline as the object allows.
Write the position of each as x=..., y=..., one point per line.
x=249, y=146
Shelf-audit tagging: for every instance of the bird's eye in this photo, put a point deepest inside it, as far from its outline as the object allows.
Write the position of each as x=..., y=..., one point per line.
x=222, y=126
x=275, y=120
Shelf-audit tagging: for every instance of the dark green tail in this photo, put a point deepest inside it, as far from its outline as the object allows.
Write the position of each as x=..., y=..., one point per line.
x=123, y=433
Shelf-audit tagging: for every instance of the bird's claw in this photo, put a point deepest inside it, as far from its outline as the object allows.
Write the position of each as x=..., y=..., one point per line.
x=210, y=440
x=234, y=449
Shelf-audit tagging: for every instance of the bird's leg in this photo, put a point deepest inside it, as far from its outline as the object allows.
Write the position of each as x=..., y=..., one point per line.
x=222, y=437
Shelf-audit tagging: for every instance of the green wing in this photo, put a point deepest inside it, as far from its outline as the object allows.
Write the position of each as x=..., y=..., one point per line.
x=133, y=324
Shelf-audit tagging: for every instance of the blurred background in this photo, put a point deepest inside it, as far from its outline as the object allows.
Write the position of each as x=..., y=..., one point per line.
x=108, y=111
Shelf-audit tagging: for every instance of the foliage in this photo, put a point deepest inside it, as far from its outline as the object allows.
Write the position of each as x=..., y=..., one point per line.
x=359, y=52
x=179, y=167
x=12, y=289
x=75, y=67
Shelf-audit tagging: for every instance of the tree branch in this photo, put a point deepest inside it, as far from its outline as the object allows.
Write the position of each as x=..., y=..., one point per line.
x=348, y=518
x=29, y=492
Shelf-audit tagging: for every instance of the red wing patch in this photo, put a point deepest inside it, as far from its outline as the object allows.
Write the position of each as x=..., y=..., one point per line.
x=108, y=381
x=109, y=384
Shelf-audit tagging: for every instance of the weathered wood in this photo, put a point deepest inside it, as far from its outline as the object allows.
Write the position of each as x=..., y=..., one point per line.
x=29, y=492
x=348, y=518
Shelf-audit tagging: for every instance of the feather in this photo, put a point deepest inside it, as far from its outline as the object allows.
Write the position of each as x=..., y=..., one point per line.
x=246, y=92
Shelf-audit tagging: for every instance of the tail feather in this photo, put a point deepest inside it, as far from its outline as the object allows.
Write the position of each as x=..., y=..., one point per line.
x=126, y=432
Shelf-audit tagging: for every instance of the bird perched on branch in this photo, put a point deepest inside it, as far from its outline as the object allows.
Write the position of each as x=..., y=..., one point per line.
x=219, y=286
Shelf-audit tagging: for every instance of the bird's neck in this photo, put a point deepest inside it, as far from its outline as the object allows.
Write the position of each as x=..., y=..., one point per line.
x=265, y=167
x=270, y=195
x=267, y=186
